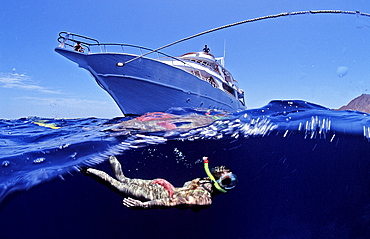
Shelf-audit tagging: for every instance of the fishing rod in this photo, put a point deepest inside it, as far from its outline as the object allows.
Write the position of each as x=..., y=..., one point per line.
x=284, y=14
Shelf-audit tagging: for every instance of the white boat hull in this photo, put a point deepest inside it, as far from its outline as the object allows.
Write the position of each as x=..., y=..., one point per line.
x=148, y=85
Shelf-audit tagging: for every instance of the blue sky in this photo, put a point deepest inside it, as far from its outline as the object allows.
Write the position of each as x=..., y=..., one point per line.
x=286, y=58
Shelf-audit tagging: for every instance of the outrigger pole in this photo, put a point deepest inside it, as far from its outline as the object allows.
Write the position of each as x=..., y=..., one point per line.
x=284, y=14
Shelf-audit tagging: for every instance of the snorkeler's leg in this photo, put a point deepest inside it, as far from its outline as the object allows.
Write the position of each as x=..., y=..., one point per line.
x=144, y=190
x=101, y=177
x=117, y=169
x=145, y=193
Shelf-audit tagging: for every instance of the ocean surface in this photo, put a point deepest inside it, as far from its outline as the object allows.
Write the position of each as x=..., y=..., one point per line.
x=303, y=171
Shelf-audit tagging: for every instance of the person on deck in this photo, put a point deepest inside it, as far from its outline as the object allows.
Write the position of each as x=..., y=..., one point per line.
x=206, y=49
x=159, y=193
x=78, y=47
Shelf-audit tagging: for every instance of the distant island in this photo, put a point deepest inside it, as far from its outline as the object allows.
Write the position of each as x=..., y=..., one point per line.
x=361, y=103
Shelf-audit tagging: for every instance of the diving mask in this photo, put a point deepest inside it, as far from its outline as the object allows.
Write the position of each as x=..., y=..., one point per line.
x=227, y=181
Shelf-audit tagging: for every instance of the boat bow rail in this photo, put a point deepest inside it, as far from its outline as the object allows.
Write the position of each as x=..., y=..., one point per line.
x=70, y=40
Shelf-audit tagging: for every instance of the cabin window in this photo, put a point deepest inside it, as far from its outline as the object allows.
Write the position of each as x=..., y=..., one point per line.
x=228, y=89
x=212, y=81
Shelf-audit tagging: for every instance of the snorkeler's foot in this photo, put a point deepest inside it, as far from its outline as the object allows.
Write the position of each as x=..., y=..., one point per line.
x=113, y=160
x=83, y=170
x=116, y=168
x=87, y=171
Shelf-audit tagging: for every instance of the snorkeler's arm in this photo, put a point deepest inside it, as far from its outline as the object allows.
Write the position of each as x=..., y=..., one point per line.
x=188, y=201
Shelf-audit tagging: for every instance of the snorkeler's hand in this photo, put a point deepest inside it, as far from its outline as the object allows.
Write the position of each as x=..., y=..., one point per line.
x=133, y=203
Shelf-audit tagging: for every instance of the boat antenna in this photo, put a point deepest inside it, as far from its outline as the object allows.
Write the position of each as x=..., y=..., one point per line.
x=284, y=14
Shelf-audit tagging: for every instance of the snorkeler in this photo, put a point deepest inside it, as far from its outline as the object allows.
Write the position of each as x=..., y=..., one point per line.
x=159, y=193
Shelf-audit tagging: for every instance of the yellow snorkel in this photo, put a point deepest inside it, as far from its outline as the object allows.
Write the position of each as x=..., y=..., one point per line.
x=209, y=174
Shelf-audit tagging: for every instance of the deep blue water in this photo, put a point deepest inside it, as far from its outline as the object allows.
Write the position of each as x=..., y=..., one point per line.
x=303, y=170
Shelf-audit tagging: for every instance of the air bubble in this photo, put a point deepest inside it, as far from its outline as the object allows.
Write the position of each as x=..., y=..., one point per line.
x=342, y=71
x=73, y=156
x=38, y=160
x=5, y=163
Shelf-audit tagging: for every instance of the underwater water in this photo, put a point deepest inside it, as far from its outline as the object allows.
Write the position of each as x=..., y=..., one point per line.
x=303, y=171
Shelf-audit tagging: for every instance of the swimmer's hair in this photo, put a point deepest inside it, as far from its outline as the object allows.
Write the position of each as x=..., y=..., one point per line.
x=218, y=170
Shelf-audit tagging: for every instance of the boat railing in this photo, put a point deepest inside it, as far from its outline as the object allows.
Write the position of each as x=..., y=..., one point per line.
x=70, y=40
